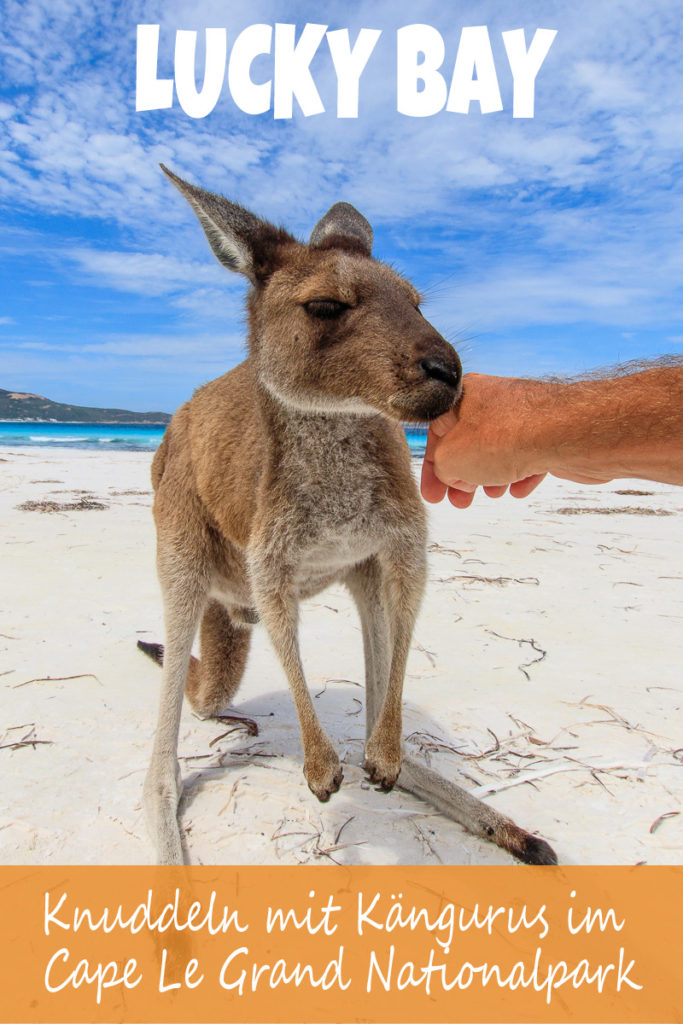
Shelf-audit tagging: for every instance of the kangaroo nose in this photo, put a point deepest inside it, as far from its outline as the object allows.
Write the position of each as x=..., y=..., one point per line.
x=439, y=370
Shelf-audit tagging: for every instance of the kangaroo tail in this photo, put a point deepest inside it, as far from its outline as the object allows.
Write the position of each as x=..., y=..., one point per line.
x=153, y=651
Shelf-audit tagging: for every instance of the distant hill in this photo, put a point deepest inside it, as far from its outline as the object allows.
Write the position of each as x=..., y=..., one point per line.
x=19, y=405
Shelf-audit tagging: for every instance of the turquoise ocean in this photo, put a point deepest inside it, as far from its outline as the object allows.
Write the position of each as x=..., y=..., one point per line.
x=127, y=437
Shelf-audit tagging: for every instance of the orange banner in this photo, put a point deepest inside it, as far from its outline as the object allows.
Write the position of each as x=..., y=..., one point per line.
x=415, y=944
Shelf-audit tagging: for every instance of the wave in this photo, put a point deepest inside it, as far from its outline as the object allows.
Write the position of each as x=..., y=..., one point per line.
x=86, y=436
x=37, y=439
x=142, y=442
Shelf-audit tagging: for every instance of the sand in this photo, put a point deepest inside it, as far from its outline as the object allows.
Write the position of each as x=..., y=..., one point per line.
x=545, y=675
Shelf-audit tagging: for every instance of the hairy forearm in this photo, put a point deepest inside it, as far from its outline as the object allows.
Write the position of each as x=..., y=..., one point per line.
x=509, y=429
x=629, y=426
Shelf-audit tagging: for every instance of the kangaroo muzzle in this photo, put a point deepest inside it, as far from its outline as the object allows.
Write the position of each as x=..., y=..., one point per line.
x=449, y=373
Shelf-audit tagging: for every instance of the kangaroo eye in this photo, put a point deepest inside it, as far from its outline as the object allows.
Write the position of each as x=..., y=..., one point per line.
x=325, y=309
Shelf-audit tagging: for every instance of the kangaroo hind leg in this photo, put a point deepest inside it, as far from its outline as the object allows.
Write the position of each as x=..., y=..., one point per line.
x=163, y=784
x=212, y=681
x=365, y=585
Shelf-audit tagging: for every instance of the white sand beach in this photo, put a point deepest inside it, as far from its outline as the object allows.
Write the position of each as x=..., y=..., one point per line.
x=545, y=672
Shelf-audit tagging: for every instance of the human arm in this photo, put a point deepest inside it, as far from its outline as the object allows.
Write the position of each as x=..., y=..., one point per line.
x=511, y=432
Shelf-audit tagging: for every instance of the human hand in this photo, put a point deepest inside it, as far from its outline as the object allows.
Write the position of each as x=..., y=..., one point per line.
x=477, y=444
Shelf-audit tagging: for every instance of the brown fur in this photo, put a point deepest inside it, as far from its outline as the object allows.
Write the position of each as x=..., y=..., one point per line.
x=292, y=472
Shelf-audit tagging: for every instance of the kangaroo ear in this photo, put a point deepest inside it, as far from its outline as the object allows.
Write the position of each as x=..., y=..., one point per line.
x=240, y=241
x=343, y=227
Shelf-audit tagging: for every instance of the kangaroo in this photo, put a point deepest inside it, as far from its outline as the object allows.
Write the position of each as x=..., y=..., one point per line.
x=292, y=472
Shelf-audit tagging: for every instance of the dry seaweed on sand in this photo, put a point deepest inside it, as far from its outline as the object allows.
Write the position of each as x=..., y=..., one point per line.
x=542, y=654
x=498, y=581
x=442, y=549
x=57, y=679
x=123, y=494
x=29, y=739
x=235, y=722
x=82, y=505
x=315, y=843
x=627, y=510
x=662, y=817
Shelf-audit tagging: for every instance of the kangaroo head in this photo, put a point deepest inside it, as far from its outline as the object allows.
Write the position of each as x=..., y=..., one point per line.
x=332, y=329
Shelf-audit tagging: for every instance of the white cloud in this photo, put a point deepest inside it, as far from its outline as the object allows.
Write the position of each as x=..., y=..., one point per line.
x=144, y=273
x=609, y=87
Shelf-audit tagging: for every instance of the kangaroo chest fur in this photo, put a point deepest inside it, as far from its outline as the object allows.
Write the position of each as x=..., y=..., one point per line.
x=335, y=504
x=334, y=490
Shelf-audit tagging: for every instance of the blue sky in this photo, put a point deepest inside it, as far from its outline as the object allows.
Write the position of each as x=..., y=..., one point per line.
x=548, y=245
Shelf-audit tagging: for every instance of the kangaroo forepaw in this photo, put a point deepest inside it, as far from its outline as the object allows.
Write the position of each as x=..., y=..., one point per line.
x=382, y=765
x=324, y=776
